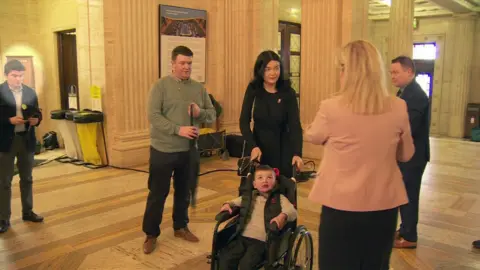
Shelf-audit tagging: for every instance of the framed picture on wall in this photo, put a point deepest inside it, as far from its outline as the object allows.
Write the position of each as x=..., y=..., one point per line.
x=27, y=61
x=187, y=27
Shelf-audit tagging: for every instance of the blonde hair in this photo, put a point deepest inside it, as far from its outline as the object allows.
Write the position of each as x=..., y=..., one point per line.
x=364, y=88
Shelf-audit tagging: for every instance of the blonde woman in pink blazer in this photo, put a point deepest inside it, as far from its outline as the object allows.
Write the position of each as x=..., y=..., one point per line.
x=365, y=131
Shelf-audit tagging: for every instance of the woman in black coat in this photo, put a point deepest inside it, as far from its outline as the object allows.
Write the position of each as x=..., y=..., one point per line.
x=277, y=132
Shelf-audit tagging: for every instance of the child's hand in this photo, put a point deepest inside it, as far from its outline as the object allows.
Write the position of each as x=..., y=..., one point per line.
x=226, y=207
x=280, y=220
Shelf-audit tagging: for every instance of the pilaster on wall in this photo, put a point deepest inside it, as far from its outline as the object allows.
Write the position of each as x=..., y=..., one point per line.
x=130, y=68
x=464, y=26
x=326, y=26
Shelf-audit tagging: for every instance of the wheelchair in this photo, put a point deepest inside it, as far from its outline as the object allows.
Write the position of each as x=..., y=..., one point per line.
x=284, y=247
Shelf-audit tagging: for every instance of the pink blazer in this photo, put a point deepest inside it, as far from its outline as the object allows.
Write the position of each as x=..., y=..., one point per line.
x=359, y=170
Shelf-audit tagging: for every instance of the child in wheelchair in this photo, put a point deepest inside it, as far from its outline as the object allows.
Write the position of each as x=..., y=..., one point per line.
x=261, y=209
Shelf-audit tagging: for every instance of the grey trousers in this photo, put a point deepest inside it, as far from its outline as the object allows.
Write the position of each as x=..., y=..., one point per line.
x=25, y=165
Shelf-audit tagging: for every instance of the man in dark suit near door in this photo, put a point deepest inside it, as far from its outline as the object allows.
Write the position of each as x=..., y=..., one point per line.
x=19, y=115
x=403, y=77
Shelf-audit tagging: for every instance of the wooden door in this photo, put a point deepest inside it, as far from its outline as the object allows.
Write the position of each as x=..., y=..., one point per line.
x=68, y=71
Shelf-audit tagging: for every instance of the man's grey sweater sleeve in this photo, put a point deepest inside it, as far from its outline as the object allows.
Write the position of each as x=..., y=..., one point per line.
x=207, y=114
x=155, y=116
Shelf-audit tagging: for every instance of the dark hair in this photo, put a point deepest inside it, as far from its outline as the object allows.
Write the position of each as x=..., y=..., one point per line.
x=262, y=167
x=406, y=62
x=13, y=65
x=259, y=70
x=183, y=50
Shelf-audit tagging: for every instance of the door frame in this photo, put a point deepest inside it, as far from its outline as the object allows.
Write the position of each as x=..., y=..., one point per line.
x=439, y=115
x=286, y=28
x=63, y=94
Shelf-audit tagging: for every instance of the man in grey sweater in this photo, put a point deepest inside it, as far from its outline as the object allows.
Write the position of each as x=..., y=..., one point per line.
x=169, y=111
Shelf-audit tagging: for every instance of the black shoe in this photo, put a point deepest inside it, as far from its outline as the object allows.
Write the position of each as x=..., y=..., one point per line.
x=32, y=217
x=4, y=225
x=476, y=244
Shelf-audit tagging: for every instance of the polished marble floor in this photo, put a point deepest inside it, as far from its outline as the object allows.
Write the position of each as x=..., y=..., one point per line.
x=93, y=217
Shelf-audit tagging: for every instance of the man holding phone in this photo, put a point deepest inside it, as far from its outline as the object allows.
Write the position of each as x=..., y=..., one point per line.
x=173, y=100
x=19, y=115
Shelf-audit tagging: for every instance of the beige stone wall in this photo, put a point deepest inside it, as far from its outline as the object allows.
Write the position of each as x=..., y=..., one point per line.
x=237, y=30
x=27, y=28
x=442, y=31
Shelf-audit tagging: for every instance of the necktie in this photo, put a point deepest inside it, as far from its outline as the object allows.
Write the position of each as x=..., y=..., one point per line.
x=399, y=93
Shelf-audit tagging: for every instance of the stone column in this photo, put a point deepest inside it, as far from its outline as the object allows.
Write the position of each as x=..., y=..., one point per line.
x=265, y=25
x=247, y=32
x=464, y=30
x=326, y=26
x=354, y=20
x=90, y=49
x=400, y=40
x=401, y=28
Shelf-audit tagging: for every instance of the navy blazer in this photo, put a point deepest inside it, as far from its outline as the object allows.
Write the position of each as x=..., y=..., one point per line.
x=418, y=106
x=8, y=109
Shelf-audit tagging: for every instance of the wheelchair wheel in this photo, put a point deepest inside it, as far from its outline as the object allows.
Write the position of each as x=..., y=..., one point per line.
x=300, y=253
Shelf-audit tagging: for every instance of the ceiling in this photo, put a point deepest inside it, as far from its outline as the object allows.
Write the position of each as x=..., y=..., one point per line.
x=290, y=10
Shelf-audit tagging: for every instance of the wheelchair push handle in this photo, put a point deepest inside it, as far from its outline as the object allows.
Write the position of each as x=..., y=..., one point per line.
x=295, y=171
x=253, y=164
x=274, y=227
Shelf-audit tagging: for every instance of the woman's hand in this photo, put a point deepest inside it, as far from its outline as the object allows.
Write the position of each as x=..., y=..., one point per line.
x=296, y=160
x=256, y=154
x=227, y=208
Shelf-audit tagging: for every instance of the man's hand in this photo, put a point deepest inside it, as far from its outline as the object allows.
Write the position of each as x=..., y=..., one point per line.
x=188, y=132
x=33, y=121
x=196, y=110
x=226, y=207
x=17, y=120
x=280, y=220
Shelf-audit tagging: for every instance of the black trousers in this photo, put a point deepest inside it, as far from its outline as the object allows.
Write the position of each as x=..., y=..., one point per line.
x=242, y=253
x=356, y=240
x=276, y=150
x=412, y=177
x=25, y=161
x=162, y=165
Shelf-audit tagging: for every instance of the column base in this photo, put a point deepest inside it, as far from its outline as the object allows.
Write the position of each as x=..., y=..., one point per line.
x=456, y=127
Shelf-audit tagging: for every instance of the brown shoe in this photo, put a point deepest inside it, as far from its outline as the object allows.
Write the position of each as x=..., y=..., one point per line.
x=186, y=234
x=149, y=244
x=397, y=235
x=402, y=243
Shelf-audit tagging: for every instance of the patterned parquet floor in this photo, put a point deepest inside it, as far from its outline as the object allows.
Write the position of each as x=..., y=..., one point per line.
x=93, y=217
